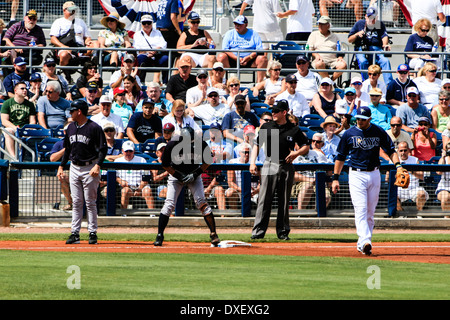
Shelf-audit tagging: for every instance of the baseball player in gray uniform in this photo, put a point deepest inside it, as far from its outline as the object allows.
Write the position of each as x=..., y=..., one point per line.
x=86, y=148
x=362, y=143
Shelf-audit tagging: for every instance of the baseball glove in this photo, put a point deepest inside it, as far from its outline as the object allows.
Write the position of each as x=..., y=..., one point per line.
x=402, y=179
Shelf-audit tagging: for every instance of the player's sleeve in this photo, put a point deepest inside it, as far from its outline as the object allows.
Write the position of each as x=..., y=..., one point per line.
x=343, y=147
x=67, y=147
x=103, y=147
x=386, y=143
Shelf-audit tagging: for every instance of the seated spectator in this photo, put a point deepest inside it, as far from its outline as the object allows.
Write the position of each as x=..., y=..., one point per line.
x=128, y=68
x=298, y=105
x=331, y=140
x=212, y=111
x=130, y=181
x=326, y=40
x=356, y=5
x=421, y=43
x=133, y=91
x=443, y=188
x=428, y=84
x=308, y=81
x=350, y=103
x=362, y=98
x=148, y=41
x=89, y=73
x=374, y=81
x=398, y=135
x=144, y=125
x=62, y=37
x=324, y=101
x=196, y=96
x=273, y=85
x=110, y=133
x=4, y=54
x=179, y=118
x=22, y=34
x=440, y=114
x=414, y=192
x=343, y=116
x=49, y=74
x=106, y=115
x=234, y=89
x=266, y=116
x=396, y=90
x=370, y=34
x=234, y=191
x=34, y=91
x=114, y=36
x=56, y=154
x=198, y=39
x=15, y=113
x=162, y=105
x=221, y=150
x=381, y=114
x=446, y=135
x=234, y=122
x=160, y=176
x=52, y=110
x=249, y=40
x=91, y=98
x=317, y=142
x=249, y=138
x=218, y=80
x=412, y=110
x=20, y=74
x=120, y=107
x=445, y=85
x=179, y=83
x=424, y=140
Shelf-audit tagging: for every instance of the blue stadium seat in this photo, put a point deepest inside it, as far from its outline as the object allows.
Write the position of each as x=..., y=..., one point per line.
x=44, y=147
x=310, y=120
x=287, y=60
x=29, y=134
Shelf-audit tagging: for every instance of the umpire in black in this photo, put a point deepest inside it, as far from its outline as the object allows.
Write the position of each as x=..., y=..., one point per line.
x=278, y=139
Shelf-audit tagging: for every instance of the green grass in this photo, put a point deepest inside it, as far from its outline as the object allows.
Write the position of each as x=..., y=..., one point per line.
x=27, y=275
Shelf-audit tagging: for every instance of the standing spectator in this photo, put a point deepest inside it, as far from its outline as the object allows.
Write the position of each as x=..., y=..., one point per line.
x=412, y=110
x=396, y=89
x=326, y=40
x=114, y=36
x=167, y=23
x=420, y=42
x=299, y=22
x=324, y=101
x=20, y=74
x=428, y=84
x=330, y=138
x=49, y=74
x=357, y=6
x=381, y=114
x=431, y=10
x=424, y=140
x=148, y=41
x=106, y=115
x=243, y=38
x=198, y=39
x=212, y=111
x=130, y=181
x=369, y=34
x=15, y=113
x=440, y=113
x=144, y=125
x=265, y=21
x=308, y=81
x=22, y=34
x=273, y=85
x=52, y=110
x=179, y=83
x=298, y=106
x=128, y=68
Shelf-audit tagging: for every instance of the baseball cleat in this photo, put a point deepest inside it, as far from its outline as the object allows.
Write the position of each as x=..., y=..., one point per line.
x=214, y=239
x=93, y=238
x=74, y=238
x=367, y=249
x=159, y=240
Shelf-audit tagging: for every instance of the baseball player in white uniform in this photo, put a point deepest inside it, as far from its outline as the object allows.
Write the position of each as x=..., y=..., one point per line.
x=362, y=144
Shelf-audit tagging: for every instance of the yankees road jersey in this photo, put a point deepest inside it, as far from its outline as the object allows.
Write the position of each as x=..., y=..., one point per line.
x=84, y=143
x=186, y=157
x=363, y=147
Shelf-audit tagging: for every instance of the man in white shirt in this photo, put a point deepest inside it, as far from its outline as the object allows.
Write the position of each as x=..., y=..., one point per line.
x=298, y=105
x=196, y=96
x=213, y=111
x=299, y=23
x=105, y=116
x=148, y=41
x=308, y=81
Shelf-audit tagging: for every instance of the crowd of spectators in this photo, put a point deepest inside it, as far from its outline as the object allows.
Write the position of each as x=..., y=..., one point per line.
x=413, y=107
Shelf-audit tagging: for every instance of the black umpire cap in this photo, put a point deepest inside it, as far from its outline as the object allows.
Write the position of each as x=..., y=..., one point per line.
x=81, y=105
x=281, y=105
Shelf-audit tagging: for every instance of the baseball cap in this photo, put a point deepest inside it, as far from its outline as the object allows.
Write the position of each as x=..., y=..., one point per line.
x=412, y=90
x=118, y=90
x=291, y=77
x=92, y=85
x=79, y=105
x=128, y=57
x=148, y=101
x=193, y=16
x=301, y=57
x=424, y=119
x=35, y=77
x=239, y=98
x=249, y=129
x=168, y=126
x=445, y=81
x=201, y=72
x=49, y=61
x=324, y=19
x=327, y=80
x=70, y=5
x=356, y=79
x=146, y=18
x=160, y=146
x=363, y=113
x=32, y=13
x=371, y=12
x=105, y=99
x=210, y=90
x=109, y=125
x=341, y=106
x=20, y=61
x=128, y=145
x=240, y=20
x=349, y=89
x=375, y=92
x=280, y=105
x=216, y=125
x=218, y=65
x=185, y=61
x=403, y=67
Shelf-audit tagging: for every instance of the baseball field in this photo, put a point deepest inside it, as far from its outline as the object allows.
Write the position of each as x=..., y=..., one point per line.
x=314, y=265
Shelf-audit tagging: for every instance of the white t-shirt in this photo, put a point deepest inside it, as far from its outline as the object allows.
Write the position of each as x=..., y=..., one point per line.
x=311, y=157
x=100, y=119
x=424, y=9
x=264, y=13
x=428, y=90
x=194, y=94
x=308, y=85
x=133, y=177
x=115, y=76
x=301, y=21
x=298, y=104
x=210, y=114
x=366, y=87
x=187, y=122
x=61, y=26
x=144, y=41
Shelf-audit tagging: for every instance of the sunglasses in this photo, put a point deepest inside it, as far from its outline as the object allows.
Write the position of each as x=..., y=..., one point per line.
x=214, y=95
x=129, y=151
x=424, y=30
x=111, y=20
x=403, y=72
x=202, y=77
x=47, y=91
x=219, y=69
x=444, y=99
x=147, y=23
x=403, y=150
x=277, y=70
x=434, y=70
x=317, y=141
x=423, y=123
x=301, y=62
x=92, y=91
x=292, y=82
x=32, y=18
x=246, y=152
x=234, y=85
x=267, y=119
x=396, y=125
x=51, y=65
x=349, y=94
x=412, y=95
x=195, y=22
x=109, y=130
x=373, y=74
x=357, y=83
x=325, y=84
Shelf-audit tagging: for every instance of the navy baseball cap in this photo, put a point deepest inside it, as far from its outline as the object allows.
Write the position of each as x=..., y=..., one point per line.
x=215, y=125
x=291, y=78
x=193, y=16
x=35, y=77
x=363, y=113
x=280, y=105
x=148, y=101
x=301, y=57
x=20, y=61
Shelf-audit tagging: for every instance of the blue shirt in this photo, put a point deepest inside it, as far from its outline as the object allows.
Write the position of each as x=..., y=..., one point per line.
x=145, y=129
x=397, y=90
x=165, y=8
x=418, y=44
x=363, y=146
x=249, y=40
x=56, y=112
x=372, y=37
x=233, y=121
x=11, y=79
x=330, y=147
x=410, y=117
x=381, y=115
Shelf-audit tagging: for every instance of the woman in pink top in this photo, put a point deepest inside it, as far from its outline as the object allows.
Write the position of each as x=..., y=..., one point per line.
x=424, y=140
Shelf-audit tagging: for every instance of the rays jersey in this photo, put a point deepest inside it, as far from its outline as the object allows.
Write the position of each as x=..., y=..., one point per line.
x=363, y=147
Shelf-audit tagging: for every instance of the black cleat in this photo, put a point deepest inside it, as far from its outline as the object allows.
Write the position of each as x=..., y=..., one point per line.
x=93, y=238
x=74, y=238
x=257, y=236
x=214, y=239
x=159, y=240
x=367, y=249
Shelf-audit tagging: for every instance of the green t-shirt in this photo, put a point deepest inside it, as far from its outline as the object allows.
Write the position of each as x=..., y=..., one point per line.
x=19, y=113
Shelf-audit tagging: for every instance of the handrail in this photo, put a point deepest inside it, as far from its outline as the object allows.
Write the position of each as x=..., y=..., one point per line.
x=18, y=141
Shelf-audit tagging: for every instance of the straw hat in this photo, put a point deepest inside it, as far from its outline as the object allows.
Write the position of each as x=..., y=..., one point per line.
x=330, y=120
x=115, y=16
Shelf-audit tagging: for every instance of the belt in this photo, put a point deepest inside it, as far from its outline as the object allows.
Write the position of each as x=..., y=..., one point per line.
x=365, y=170
x=83, y=163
